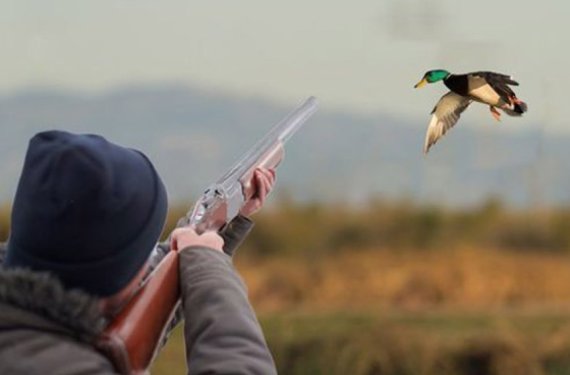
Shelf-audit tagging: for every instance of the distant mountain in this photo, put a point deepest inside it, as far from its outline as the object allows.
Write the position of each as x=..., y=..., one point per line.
x=194, y=135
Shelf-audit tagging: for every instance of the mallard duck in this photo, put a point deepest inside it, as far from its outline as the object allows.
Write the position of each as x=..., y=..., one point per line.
x=483, y=87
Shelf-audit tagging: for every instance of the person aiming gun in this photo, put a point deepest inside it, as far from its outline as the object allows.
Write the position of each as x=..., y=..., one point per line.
x=86, y=216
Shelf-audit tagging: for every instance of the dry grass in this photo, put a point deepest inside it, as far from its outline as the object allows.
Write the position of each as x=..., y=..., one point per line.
x=464, y=278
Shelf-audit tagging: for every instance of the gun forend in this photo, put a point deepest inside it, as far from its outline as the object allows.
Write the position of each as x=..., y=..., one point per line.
x=222, y=201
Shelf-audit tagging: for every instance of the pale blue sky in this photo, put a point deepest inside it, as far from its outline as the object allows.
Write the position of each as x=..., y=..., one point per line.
x=361, y=56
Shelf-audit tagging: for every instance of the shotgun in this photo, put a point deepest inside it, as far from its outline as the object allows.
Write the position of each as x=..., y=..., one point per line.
x=134, y=337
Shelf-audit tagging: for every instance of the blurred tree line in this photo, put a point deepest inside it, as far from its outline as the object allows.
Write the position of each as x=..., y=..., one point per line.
x=293, y=228
x=290, y=227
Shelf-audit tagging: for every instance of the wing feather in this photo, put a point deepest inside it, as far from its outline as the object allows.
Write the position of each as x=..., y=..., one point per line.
x=496, y=77
x=498, y=82
x=444, y=116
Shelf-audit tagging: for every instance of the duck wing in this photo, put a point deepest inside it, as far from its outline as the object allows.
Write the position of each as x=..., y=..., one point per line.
x=480, y=84
x=444, y=116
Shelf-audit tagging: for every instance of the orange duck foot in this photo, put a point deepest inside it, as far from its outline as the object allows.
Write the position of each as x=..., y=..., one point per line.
x=495, y=113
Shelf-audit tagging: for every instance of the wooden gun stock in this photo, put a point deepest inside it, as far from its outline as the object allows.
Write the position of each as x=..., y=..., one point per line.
x=134, y=337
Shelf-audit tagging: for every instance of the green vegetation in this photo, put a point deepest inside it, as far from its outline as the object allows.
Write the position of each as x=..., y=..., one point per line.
x=402, y=343
x=292, y=228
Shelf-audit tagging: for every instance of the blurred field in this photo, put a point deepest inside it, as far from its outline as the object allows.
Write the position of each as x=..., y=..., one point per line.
x=397, y=289
x=404, y=343
x=458, y=311
x=465, y=278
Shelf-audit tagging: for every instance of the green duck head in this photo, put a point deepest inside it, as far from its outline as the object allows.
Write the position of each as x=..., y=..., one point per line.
x=432, y=76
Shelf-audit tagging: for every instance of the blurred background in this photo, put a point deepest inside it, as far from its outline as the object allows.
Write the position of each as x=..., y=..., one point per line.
x=370, y=257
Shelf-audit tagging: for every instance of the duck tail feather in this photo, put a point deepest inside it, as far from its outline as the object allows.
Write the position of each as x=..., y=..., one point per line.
x=520, y=107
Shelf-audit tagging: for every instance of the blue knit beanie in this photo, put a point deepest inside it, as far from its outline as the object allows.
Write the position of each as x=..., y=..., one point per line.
x=86, y=210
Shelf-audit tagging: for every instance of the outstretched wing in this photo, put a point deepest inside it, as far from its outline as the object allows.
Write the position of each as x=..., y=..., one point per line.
x=496, y=77
x=497, y=81
x=444, y=115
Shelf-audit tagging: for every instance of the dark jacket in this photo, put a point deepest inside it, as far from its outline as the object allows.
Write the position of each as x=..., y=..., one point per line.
x=45, y=329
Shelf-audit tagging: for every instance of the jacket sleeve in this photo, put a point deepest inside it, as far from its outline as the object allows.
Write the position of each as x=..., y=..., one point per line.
x=235, y=233
x=221, y=330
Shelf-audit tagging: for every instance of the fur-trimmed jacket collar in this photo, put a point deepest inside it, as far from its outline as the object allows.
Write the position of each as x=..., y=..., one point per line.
x=39, y=300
